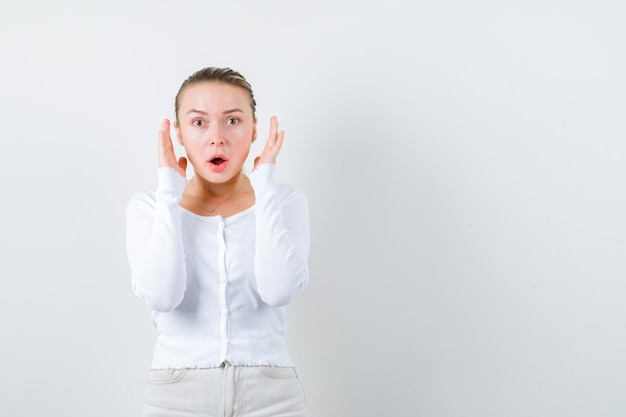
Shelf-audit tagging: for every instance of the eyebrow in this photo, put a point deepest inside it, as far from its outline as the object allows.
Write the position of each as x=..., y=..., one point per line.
x=234, y=110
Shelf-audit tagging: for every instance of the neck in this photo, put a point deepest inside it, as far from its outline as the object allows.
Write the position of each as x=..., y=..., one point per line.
x=211, y=189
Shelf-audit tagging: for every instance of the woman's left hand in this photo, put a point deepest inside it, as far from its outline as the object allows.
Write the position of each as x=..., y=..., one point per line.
x=273, y=145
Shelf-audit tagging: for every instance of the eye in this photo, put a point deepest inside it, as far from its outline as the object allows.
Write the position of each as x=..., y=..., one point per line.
x=232, y=121
x=197, y=122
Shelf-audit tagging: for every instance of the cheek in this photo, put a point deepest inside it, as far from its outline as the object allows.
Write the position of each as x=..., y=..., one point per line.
x=194, y=140
x=192, y=148
x=245, y=146
x=192, y=157
x=188, y=134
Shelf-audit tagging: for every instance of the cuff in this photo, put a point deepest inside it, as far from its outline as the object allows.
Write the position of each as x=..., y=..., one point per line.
x=263, y=175
x=171, y=183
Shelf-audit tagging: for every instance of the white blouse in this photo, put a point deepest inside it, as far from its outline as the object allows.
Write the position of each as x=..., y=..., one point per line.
x=217, y=286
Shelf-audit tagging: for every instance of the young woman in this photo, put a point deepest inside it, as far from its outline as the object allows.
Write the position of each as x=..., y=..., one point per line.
x=218, y=258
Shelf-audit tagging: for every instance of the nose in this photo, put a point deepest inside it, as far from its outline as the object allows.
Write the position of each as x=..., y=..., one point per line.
x=216, y=136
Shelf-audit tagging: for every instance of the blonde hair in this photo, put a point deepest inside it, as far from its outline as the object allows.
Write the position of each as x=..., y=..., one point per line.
x=223, y=75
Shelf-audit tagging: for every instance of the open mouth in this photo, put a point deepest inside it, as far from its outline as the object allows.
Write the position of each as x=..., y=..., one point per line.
x=218, y=163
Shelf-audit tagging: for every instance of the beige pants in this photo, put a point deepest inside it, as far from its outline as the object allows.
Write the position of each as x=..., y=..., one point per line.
x=242, y=391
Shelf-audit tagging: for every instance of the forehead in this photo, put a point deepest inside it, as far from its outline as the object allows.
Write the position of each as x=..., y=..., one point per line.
x=214, y=95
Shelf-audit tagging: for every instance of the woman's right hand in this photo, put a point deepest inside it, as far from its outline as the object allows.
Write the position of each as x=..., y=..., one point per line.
x=167, y=157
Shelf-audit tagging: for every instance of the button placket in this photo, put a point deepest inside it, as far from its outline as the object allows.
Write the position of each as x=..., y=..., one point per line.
x=223, y=290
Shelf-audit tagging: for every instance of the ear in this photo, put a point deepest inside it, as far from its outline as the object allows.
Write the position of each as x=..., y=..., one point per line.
x=254, y=131
x=179, y=136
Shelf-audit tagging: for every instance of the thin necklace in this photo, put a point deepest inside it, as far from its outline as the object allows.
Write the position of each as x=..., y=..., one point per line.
x=219, y=203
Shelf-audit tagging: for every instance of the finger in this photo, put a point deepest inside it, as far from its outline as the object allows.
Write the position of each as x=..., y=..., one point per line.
x=162, y=136
x=256, y=163
x=273, y=129
x=162, y=147
x=279, y=140
x=165, y=127
x=166, y=150
x=182, y=163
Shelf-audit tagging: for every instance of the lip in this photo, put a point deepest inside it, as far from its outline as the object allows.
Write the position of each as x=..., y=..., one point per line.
x=217, y=167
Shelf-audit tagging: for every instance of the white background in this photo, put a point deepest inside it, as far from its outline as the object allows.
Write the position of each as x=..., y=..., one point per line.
x=464, y=163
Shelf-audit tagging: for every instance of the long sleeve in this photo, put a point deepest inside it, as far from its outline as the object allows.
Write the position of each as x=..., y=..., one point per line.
x=154, y=243
x=282, y=238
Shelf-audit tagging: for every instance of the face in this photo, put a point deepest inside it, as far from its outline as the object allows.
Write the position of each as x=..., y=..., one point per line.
x=217, y=127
